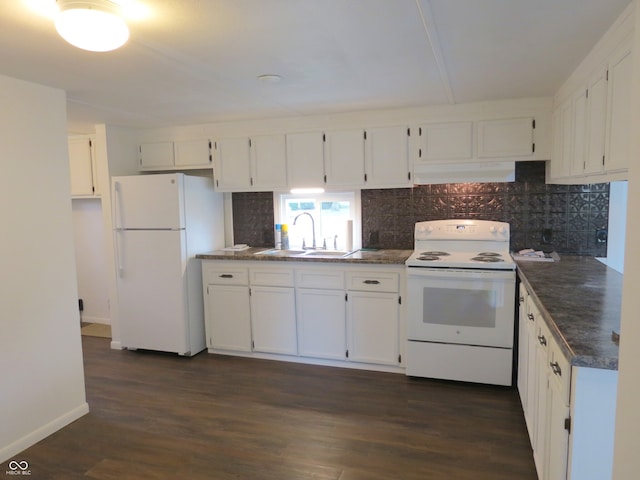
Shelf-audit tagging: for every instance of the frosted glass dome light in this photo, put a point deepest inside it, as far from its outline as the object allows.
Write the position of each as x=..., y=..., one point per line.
x=94, y=25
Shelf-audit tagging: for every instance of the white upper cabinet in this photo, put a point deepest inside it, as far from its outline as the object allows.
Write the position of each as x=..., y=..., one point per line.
x=579, y=121
x=505, y=138
x=562, y=140
x=619, y=110
x=156, y=155
x=596, y=123
x=232, y=168
x=250, y=163
x=305, y=160
x=387, y=157
x=179, y=155
x=445, y=141
x=268, y=162
x=193, y=153
x=83, y=168
x=595, y=146
x=344, y=158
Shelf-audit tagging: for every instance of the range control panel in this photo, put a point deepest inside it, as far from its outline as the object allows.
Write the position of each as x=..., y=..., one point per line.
x=462, y=230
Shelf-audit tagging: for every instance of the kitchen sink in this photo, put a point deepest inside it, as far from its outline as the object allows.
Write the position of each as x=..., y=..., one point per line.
x=326, y=253
x=276, y=252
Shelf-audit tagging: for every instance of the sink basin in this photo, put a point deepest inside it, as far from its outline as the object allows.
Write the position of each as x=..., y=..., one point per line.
x=281, y=253
x=327, y=253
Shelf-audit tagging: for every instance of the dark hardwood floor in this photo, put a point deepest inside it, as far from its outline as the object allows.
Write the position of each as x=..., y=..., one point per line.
x=159, y=416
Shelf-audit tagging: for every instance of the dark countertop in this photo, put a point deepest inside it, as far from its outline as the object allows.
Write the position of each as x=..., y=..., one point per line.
x=580, y=299
x=387, y=257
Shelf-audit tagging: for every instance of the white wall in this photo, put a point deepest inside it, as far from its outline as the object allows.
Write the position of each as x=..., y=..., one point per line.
x=41, y=371
x=116, y=154
x=626, y=463
x=91, y=259
x=618, y=194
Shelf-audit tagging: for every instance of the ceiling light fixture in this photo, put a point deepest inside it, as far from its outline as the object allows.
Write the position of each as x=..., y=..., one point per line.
x=94, y=25
x=269, y=78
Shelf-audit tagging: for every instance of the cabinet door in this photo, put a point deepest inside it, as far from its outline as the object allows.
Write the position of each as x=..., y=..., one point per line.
x=193, y=153
x=156, y=155
x=232, y=164
x=580, y=132
x=273, y=320
x=562, y=133
x=619, y=113
x=530, y=413
x=321, y=323
x=523, y=346
x=557, y=434
x=81, y=167
x=372, y=327
x=268, y=162
x=542, y=384
x=305, y=160
x=511, y=137
x=387, y=157
x=597, y=120
x=344, y=158
x=228, y=318
x=558, y=411
x=446, y=141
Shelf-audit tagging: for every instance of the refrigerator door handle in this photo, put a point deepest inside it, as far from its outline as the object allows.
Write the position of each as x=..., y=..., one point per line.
x=116, y=205
x=119, y=251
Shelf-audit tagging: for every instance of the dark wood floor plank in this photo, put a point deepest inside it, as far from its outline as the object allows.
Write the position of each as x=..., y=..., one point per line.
x=160, y=416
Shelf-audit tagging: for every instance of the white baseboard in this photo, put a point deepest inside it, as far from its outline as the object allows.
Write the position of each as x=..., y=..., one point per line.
x=116, y=345
x=90, y=319
x=34, y=437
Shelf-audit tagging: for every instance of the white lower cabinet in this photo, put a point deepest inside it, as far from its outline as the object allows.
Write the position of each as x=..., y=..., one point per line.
x=570, y=410
x=373, y=321
x=541, y=382
x=226, y=308
x=321, y=323
x=273, y=320
x=319, y=313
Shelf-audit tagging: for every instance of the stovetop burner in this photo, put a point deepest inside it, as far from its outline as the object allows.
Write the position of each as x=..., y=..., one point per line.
x=428, y=258
x=489, y=254
x=489, y=259
x=435, y=253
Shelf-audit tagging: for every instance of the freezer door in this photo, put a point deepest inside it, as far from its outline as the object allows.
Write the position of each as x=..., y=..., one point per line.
x=152, y=290
x=148, y=201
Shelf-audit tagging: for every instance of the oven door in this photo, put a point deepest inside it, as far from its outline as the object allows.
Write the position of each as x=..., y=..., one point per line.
x=470, y=307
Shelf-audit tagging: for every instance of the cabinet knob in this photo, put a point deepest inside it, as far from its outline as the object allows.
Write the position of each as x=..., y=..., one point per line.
x=226, y=275
x=371, y=282
x=530, y=316
x=542, y=340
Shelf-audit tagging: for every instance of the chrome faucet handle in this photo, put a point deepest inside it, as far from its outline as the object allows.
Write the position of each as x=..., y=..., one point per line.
x=303, y=244
x=324, y=243
x=335, y=242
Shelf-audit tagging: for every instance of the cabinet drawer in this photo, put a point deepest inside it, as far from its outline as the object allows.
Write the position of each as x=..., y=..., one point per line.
x=274, y=277
x=224, y=275
x=560, y=370
x=321, y=278
x=373, y=281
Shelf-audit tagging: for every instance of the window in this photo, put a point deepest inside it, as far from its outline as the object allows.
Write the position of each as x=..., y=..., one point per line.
x=335, y=218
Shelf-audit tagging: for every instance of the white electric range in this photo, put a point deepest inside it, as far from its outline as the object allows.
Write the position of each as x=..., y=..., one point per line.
x=461, y=299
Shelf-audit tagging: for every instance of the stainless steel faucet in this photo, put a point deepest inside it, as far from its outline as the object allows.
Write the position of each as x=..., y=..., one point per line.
x=313, y=229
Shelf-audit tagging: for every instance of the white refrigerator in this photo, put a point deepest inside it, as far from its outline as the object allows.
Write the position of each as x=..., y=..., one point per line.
x=160, y=223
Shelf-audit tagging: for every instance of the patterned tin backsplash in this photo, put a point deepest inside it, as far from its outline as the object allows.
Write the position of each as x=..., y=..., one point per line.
x=566, y=218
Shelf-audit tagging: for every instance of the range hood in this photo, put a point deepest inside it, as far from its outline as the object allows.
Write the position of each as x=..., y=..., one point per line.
x=476, y=172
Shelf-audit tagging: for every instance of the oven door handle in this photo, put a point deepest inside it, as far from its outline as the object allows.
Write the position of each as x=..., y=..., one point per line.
x=426, y=272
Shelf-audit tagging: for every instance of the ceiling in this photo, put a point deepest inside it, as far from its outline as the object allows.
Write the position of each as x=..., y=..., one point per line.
x=196, y=61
